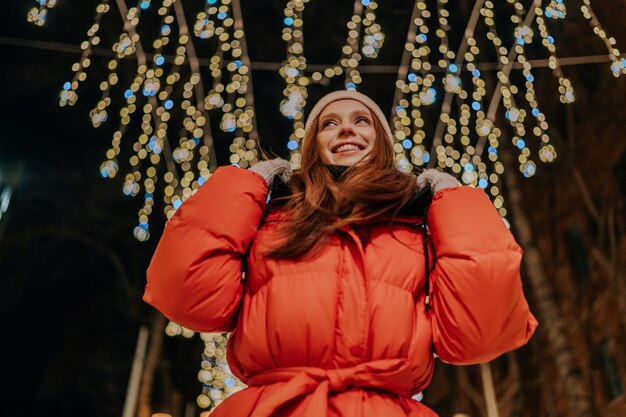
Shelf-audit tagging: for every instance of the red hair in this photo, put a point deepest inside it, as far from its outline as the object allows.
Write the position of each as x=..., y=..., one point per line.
x=319, y=205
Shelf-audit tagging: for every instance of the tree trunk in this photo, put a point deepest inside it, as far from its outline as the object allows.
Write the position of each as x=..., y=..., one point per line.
x=576, y=393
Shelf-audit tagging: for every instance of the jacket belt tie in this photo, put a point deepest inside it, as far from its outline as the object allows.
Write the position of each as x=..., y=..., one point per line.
x=391, y=375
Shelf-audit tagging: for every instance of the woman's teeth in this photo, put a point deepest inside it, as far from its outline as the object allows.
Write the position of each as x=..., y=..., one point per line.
x=346, y=148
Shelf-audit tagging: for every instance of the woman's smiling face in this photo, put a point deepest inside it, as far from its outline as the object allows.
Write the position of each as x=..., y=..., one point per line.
x=345, y=132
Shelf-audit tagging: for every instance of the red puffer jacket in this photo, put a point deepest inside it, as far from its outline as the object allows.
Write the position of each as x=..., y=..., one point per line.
x=345, y=333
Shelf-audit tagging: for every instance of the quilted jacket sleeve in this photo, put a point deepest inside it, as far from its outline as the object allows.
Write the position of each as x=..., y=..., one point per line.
x=479, y=309
x=194, y=277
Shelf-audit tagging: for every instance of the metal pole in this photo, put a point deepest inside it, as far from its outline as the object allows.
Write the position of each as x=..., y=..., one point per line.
x=275, y=66
x=489, y=390
x=130, y=404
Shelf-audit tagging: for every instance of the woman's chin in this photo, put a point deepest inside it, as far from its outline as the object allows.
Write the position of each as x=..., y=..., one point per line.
x=347, y=159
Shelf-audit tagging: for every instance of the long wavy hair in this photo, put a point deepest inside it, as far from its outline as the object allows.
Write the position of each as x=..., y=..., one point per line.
x=319, y=204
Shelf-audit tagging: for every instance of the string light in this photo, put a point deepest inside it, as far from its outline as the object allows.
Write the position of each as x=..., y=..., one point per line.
x=293, y=69
x=513, y=113
x=189, y=163
x=146, y=83
x=229, y=93
x=37, y=15
x=159, y=142
x=464, y=127
x=231, y=90
x=294, y=72
x=447, y=156
x=151, y=142
x=546, y=152
x=566, y=89
x=556, y=9
x=69, y=95
x=124, y=47
x=420, y=86
x=456, y=155
x=458, y=147
x=217, y=381
x=618, y=66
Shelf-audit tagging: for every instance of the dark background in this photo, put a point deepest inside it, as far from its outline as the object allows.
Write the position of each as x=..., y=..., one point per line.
x=71, y=272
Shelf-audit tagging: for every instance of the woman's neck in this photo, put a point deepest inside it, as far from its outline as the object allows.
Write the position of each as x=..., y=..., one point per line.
x=336, y=170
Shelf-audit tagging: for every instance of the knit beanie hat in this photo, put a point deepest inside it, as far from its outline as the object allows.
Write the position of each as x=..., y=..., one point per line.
x=347, y=95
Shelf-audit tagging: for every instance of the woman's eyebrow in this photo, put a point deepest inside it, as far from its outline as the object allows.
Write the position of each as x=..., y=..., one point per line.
x=352, y=114
x=329, y=116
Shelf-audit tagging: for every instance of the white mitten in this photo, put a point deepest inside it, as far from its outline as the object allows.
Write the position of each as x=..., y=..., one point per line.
x=269, y=169
x=436, y=180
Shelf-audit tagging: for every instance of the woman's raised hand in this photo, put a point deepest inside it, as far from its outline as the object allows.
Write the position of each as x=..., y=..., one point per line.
x=436, y=180
x=269, y=169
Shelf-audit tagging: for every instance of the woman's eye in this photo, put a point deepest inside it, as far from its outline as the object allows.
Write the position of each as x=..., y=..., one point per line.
x=326, y=123
x=362, y=120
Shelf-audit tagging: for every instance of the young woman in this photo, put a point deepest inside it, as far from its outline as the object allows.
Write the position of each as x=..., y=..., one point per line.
x=336, y=305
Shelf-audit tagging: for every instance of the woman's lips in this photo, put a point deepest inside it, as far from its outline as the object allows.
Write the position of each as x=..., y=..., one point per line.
x=347, y=148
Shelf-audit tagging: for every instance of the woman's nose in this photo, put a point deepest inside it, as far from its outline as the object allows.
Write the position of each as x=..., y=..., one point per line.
x=346, y=130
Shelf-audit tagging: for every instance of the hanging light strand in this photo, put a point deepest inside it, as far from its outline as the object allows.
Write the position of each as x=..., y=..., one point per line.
x=149, y=80
x=452, y=84
x=463, y=119
x=195, y=122
x=293, y=69
x=295, y=91
x=37, y=15
x=363, y=20
x=158, y=142
x=515, y=116
x=217, y=381
x=448, y=156
x=419, y=83
x=231, y=90
x=566, y=90
x=125, y=46
x=556, y=10
x=153, y=139
x=190, y=162
x=68, y=95
x=524, y=35
x=152, y=144
x=618, y=66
